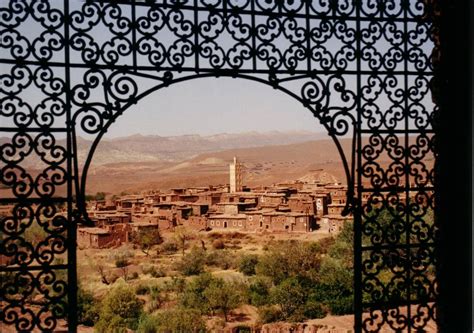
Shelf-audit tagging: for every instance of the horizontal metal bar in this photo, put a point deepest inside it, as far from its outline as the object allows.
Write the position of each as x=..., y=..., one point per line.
x=45, y=267
x=397, y=131
x=302, y=14
x=399, y=189
x=33, y=200
x=217, y=71
x=398, y=246
x=33, y=129
x=378, y=306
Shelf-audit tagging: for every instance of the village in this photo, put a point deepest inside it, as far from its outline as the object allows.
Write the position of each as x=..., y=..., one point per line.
x=292, y=207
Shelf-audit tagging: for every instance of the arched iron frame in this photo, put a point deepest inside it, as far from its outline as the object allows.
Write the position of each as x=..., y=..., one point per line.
x=363, y=68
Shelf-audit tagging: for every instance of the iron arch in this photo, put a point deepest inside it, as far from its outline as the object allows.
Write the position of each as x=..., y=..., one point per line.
x=365, y=66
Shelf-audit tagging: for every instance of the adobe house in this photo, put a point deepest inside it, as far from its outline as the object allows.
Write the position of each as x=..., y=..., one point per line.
x=288, y=222
x=210, y=198
x=197, y=223
x=199, y=209
x=303, y=204
x=234, y=207
x=94, y=238
x=107, y=218
x=227, y=221
x=254, y=220
x=336, y=208
x=137, y=227
x=271, y=199
x=322, y=201
x=334, y=223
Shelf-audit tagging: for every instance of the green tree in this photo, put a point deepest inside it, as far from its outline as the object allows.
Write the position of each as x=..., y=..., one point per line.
x=259, y=291
x=290, y=295
x=292, y=259
x=146, y=239
x=222, y=296
x=121, y=309
x=182, y=236
x=193, y=296
x=193, y=262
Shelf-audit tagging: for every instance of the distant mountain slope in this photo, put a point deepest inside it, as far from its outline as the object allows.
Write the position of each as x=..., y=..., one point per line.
x=263, y=166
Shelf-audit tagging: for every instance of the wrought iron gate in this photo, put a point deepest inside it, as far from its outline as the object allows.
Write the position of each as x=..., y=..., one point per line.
x=363, y=68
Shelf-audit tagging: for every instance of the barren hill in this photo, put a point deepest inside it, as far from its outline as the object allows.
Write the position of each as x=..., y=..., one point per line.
x=263, y=166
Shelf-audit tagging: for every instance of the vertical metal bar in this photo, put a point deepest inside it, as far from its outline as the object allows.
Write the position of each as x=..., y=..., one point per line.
x=308, y=37
x=358, y=210
x=407, y=163
x=254, y=35
x=134, y=36
x=196, y=36
x=71, y=227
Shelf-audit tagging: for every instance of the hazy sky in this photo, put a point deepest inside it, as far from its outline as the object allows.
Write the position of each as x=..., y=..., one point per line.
x=210, y=106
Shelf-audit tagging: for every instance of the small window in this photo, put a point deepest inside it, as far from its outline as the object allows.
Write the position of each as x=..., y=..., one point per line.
x=240, y=223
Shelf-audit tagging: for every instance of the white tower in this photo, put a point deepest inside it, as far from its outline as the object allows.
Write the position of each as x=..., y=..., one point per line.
x=235, y=176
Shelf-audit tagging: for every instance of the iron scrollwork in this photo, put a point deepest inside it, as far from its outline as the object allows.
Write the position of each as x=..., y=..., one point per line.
x=362, y=68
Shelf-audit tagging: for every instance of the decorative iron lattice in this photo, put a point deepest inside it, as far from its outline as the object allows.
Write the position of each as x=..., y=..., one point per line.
x=363, y=68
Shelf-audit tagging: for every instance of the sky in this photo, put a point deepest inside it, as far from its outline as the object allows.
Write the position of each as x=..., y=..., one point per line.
x=210, y=106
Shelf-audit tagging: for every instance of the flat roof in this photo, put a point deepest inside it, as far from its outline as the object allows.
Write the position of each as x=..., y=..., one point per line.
x=94, y=231
x=228, y=216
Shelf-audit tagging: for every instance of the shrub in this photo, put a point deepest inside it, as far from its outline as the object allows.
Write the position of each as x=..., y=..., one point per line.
x=87, y=310
x=314, y=310
x=121, y=309
x=218, y=244
x=154, y=272
x=142, y=289
x=134, y=275
x=220, y=258
x=176, y=320
x=247, y=264
x=259, y=291
x=121, y=262
x=243, y=329
x=169, y=247
x=193, y=294
x=269, y=314
x=157, y=297
x=192, y=263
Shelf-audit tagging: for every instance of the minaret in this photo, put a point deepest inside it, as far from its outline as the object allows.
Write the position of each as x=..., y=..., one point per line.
x=235, y=176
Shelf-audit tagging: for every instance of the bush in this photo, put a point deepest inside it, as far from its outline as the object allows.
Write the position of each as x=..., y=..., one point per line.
x=218, y=244
x=87, y=311
x=121, y=309
x=121, y=262
x=142, y=289
x=154, y=272
x=157, y=297
x=134, y=275
x=193, y=294
x=169, y=247
x=176, y=320
x=220, y=258
x=259, y=291
x=247, y=264
x=314, y=310
x=193, y=262
x=269, y=314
